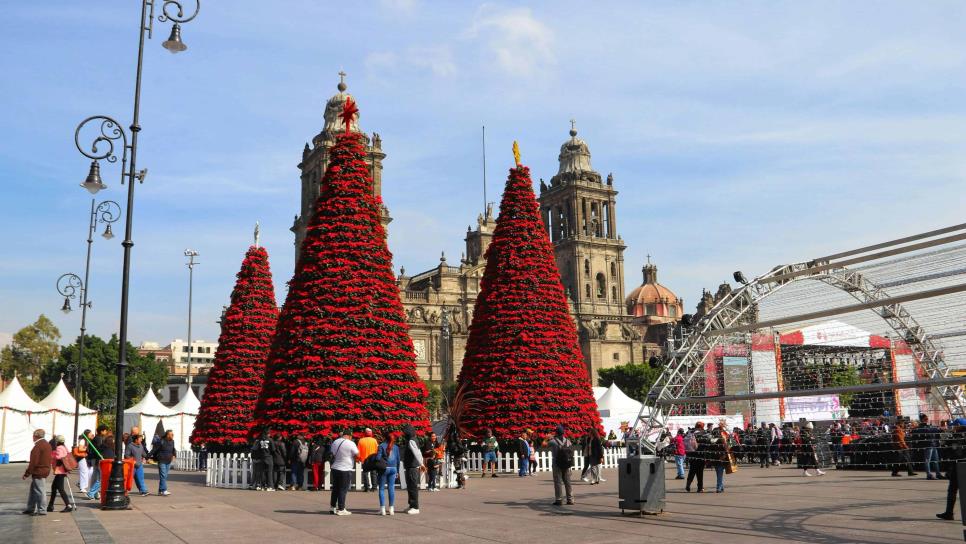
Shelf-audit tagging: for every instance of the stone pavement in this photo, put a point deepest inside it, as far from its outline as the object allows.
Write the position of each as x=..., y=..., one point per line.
x=758, y=506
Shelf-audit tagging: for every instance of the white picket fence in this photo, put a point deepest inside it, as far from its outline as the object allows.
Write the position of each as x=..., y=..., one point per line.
x=234, y=470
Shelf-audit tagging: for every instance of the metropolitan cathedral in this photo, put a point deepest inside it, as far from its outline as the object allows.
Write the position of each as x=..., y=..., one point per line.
x=579, y=210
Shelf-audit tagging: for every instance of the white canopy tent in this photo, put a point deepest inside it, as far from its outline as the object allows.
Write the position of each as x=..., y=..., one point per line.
x=598, y=391
x=61, y=403
x=616, y=407
x=187, y=411
x=20, y=417
x=146, y=414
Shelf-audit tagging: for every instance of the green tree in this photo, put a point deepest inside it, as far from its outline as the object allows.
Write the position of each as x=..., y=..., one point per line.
x=34, y=347
x=633, y=379
x=842, y=376
x=434, y=401
x=98, y=371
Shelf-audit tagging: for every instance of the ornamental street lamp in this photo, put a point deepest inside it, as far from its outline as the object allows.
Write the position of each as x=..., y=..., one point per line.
x=106, y=212
x=103, y=148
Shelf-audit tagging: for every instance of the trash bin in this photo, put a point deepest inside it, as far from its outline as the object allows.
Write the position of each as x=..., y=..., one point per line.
x=106, y=476
x=641, y=484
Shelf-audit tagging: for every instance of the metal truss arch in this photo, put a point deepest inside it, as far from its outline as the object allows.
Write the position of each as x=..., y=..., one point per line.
x=687, y=351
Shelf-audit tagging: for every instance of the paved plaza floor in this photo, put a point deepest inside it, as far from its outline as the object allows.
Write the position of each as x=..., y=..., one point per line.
x=759, y=505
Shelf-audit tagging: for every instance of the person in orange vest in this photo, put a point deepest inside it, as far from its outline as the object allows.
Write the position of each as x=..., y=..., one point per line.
x=368, y=446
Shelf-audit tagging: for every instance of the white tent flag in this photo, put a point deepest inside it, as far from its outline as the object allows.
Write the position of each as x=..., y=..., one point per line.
x=61, y=403
x=146, y=414
x=187, y=410
x=20, y=417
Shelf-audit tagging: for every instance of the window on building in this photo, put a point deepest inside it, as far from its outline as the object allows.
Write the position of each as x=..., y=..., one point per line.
x=613, y=293
x=650, y=309
x=173, y=396
x=587, y=267
x=617, y=356
x=587, y=291
x=601, y=286
x=673, y=311
x=184, y=349
x=613, y=270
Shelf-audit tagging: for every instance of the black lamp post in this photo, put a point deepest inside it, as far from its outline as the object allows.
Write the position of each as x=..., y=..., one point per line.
x=111, y=132
x=105, y=212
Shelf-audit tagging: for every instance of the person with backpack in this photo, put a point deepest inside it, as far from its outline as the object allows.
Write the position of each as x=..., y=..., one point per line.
x=388, y=451
x=680, y=453
x=63, y=462
x=562, y=454
x=696, y=459
x=344, y=454
x=318, y=455
x=412, y=460
x=298, y=455
x=368, y=446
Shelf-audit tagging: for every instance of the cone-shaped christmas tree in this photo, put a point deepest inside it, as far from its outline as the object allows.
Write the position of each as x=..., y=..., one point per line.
x=342, y=356
x=523, y=364
x=235, y=381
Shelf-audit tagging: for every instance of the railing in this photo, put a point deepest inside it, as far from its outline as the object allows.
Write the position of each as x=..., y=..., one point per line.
x=234, y=470
x=189, y=460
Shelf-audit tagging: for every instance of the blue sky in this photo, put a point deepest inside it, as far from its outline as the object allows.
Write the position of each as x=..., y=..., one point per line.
x=740, y=136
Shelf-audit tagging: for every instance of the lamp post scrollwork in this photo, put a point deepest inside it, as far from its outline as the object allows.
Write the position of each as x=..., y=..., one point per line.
x=104, y=146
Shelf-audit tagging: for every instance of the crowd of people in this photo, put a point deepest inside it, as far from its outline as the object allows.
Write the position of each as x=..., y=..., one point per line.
x=85, y=459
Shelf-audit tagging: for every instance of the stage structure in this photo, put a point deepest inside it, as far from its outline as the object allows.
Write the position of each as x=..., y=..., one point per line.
x=751, y=355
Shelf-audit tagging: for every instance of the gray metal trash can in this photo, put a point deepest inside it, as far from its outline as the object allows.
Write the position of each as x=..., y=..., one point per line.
x=641, y=484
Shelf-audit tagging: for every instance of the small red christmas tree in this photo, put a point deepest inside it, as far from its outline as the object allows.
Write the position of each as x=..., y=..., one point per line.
x=523, y=363
x=235, y=381
x=342, y=357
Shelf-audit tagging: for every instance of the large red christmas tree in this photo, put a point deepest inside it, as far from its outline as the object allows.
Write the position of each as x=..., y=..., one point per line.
x=342, y=357
x=235, y=381
x=523, y=365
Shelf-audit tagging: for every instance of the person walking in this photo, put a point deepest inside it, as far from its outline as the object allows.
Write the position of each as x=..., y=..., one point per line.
x=136, y=451
x=80, y=454
x=532, y=446
x=317, y=457
x=680, y=453
x=96, y=445
x=37, y=470
x=298, y=454
x=595, y=456
x=763, y=441
x=491, y=451
x=388, y=451
x=280, y=461
x=696, y=460
x=954, y=450
x=562, y=455
x=808, y=457
x=523, y=455
x=164, y=454
x=344, y=454
x=368, y=446
x=902, y=450
x=412, y=460
x=59, y=461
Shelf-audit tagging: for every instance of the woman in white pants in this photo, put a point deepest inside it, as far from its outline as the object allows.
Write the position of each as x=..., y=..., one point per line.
x=83, y=469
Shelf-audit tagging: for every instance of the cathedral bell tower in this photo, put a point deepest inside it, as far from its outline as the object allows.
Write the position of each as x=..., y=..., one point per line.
x=315, y=159
x=578, y=211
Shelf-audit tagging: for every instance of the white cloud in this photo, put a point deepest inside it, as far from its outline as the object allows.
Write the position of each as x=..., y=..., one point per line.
x=435, y=59
x=520, y=44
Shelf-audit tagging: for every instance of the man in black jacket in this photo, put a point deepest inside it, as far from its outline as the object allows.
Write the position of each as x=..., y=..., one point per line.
x=280, y=456
x=696, y=459
x=164, y=454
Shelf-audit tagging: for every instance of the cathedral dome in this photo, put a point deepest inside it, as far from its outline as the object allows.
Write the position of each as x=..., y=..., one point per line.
x=333, y=110
x=574, y=154
x=654, y=301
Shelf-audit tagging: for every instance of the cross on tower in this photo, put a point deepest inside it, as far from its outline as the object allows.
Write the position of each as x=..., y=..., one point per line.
x=573, y=124
x=342, y=76
x=648, y=258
